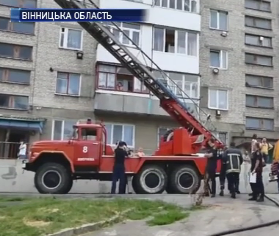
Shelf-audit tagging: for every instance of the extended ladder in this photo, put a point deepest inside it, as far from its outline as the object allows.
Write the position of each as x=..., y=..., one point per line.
x=173, y=105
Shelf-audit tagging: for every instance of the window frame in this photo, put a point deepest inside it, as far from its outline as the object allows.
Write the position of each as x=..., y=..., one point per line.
x=131, y=31
x=175, y=8
x=98, y=71
x=15, y=48
x=218, y=20
x=6, y=75
x=123, y=125
x=209, y=100
x=260, y=78
x=257, y=18
x=12, y=100
x=256, y=56
x=217, y=135
x=62, y=129
x=256, y=101
x=258, y=36
x=258, y=9
x=18, y=6
x=261, y=121
x=68, y=79
x=65, y=39
x=11, y=26
x=187, y=32
x=221, y=55
x=158, y=133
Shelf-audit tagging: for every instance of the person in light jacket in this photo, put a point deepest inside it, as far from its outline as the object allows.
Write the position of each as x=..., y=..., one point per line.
x=233, y=158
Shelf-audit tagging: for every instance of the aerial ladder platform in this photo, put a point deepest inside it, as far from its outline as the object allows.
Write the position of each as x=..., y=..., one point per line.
x=169, y=101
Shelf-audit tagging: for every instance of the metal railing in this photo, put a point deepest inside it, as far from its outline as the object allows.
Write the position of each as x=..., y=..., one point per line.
x=9, y=150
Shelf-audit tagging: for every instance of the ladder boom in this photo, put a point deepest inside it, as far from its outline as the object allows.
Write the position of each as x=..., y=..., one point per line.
x=169, y=101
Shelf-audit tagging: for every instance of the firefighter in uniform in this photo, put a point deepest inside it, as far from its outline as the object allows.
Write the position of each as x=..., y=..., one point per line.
x=233, y=158
x=222, y=176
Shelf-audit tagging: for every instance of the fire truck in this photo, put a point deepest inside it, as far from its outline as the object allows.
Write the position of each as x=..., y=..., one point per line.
x=175, y=167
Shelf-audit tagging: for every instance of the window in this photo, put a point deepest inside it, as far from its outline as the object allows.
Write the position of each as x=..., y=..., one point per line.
x=259, y=81
x=130, y=29
x=120, y=132
x=258, y=101
x=175, y=41
x=17, y=27
x=258, y=5
x=256, y=22
x=184, y=5
x=14, y=76
x=219, y=20
x=222, y=136
x=218, y=59
x=15, y=51
x=259, y=123
x=14, y=102
x=218, y=99
x=257, y=40
x=68, y=83
x=258, y=59
x=62, y=129
x=189, y=84
x=71, y=39
x=19, y=3
x=119, y=79
x=161, y=132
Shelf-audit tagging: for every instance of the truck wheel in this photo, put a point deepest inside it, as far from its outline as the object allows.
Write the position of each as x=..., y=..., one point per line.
x=134, y=185
x=169, y=188
x=53, y=178
x=185, y=179
x=152, y=179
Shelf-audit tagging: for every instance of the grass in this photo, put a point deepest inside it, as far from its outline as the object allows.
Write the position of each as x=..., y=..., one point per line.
x=40, y=216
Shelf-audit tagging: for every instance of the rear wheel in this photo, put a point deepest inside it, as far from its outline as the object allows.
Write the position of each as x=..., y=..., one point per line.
x=152, y=179
x=185, y=180
x=53, y=178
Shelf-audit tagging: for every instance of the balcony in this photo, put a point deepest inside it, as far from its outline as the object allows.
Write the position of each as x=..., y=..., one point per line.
x=119, y=91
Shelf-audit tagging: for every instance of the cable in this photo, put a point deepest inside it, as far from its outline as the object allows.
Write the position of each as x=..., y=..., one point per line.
x=250, y=227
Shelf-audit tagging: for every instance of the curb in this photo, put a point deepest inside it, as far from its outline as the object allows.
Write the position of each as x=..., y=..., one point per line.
x=90, y=227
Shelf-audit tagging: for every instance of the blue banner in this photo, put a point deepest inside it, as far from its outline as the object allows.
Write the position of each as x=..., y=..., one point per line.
x=41, y=15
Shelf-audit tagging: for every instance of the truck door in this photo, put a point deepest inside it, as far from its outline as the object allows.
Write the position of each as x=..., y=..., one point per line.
x=88, y=150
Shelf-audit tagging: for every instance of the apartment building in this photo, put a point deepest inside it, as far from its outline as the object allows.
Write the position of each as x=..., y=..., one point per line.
x=53, y=74
x=170, y=36
x=46, y=77
x=239, y=67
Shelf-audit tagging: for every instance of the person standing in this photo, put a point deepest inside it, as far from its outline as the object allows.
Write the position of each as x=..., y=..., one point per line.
x=265, y=147
x=120, y=155
x=257, y=169
x=222, y=176
x=233, y=159
x=22, y=151
x=212, y=157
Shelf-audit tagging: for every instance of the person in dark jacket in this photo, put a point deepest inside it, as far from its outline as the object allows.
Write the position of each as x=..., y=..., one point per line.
x=233, y=158
x=120, y=154
x=212, y=157
x=257, y=169
x=222, y=176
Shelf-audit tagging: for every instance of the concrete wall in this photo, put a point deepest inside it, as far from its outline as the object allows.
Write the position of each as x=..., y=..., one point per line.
x=12, y=179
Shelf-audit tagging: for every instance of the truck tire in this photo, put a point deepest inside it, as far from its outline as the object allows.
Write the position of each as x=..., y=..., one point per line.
x=53, y=178
x=185, y=180
x=134, y=185
x=151, y=179
x=169, y=188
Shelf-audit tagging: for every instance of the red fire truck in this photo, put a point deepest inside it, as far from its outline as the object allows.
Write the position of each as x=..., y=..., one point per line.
x=175, y=167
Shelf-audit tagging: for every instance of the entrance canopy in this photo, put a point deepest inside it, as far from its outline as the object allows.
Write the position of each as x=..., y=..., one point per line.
x=32, y=124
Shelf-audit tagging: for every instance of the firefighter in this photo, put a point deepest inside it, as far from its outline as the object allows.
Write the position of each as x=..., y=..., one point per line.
x=120, y=155
x=212, y=156
x=234, y=159
x=222, y=176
